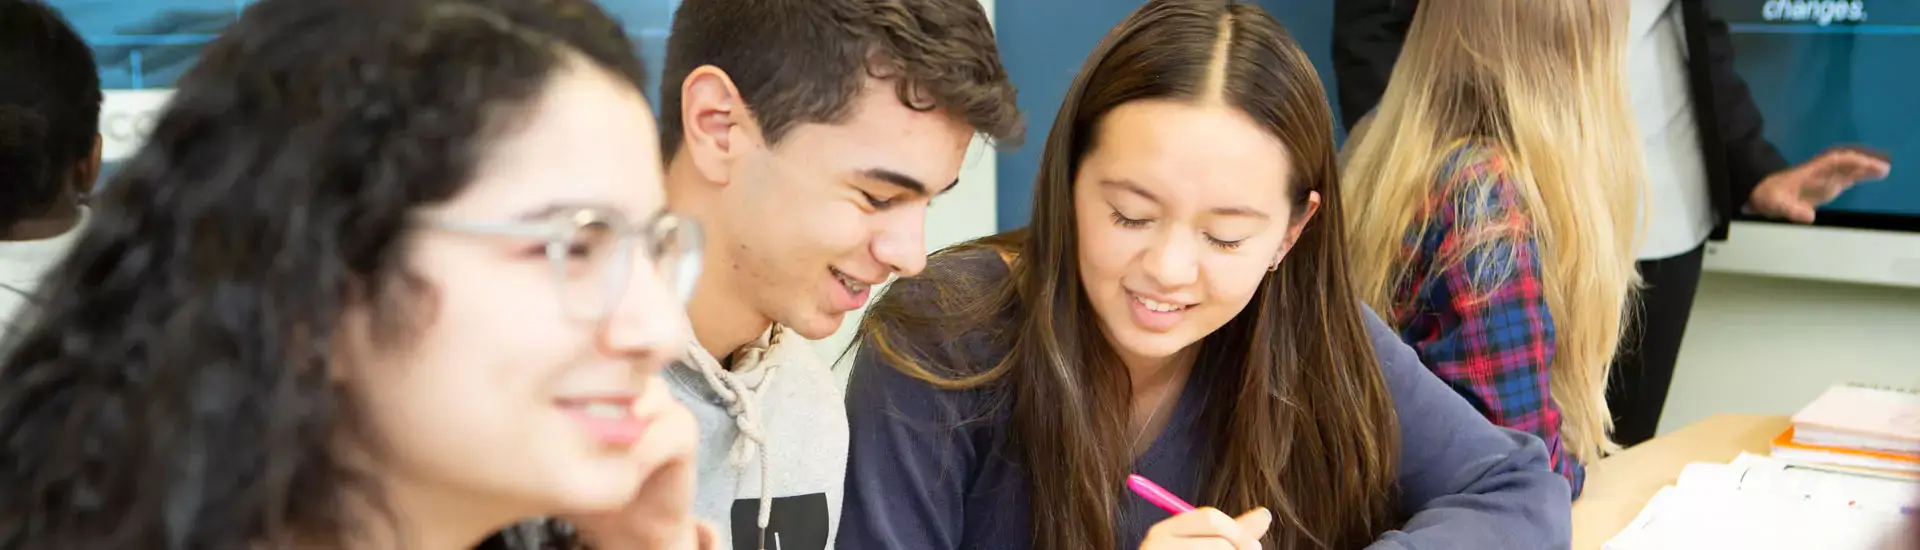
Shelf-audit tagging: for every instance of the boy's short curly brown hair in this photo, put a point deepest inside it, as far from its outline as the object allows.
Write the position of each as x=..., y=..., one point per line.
x=804, y=61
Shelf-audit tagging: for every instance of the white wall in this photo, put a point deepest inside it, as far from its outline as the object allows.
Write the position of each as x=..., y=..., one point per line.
x=1786, y=311
x=1769, y=345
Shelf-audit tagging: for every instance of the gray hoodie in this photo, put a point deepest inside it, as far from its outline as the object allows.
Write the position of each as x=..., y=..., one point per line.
x=773, y=443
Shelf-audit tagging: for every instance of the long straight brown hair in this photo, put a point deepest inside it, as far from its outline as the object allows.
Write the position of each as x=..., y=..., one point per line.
x=1297, y=417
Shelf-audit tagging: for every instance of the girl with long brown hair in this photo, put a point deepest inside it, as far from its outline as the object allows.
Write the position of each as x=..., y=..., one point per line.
x=1179, y=308
x=1496, y=198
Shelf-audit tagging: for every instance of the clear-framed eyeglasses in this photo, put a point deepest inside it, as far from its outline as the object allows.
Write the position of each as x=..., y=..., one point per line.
x=591, y=253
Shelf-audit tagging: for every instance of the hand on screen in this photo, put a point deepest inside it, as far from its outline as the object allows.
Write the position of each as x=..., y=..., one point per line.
x=1796, y=192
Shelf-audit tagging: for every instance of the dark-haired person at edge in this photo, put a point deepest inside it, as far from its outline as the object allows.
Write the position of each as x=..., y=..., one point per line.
x=387, y=275
x=1706, y=160
x=49, y=147
x=809, y=137
x=1179, y=308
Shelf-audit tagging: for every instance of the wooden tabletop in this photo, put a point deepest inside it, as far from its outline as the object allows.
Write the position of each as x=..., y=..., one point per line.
x=1620, y=485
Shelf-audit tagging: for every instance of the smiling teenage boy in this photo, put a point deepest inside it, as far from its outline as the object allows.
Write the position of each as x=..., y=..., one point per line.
x=808, y=137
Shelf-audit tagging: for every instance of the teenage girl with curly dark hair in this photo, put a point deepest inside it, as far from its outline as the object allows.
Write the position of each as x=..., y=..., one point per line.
x=388, y=274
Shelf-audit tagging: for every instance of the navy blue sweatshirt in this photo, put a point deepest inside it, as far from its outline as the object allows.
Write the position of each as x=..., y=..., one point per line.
x=929, y=469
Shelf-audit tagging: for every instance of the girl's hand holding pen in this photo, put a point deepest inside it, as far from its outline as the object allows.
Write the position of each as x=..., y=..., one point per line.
x=1203, y=528
x=1208, y=528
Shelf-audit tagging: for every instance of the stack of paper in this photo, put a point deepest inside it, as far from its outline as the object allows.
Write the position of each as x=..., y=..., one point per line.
x=1762, y=503
x=1857, y=426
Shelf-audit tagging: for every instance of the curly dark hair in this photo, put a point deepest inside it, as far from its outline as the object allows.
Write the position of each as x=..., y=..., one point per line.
x=49, y=108
x=173, y=392
x=804, y=61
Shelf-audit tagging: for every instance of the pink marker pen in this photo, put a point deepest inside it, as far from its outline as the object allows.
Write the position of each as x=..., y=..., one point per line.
x=1157, y=495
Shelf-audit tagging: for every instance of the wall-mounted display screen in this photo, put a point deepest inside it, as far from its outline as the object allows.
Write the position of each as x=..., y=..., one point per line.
x=1838, y=72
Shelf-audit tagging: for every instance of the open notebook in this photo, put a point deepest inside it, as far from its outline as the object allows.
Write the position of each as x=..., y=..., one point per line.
x=1761, y=503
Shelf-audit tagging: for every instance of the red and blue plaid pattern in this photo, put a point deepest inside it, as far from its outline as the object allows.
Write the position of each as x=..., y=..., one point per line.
x=1472, y=304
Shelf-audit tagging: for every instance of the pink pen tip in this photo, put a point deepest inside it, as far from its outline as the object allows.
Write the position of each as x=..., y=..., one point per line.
x=1157, y=495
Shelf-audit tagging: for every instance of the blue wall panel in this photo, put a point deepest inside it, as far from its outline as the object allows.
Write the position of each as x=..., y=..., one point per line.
x=147, y=44
x=143, y=44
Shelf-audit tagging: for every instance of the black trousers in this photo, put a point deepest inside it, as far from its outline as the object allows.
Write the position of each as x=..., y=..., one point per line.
x=1644, y=368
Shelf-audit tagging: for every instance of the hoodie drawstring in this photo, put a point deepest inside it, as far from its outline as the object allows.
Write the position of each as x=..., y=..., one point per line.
x=743, y=405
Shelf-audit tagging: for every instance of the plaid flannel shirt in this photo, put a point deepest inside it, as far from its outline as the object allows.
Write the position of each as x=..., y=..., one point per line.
x=1473, y=306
